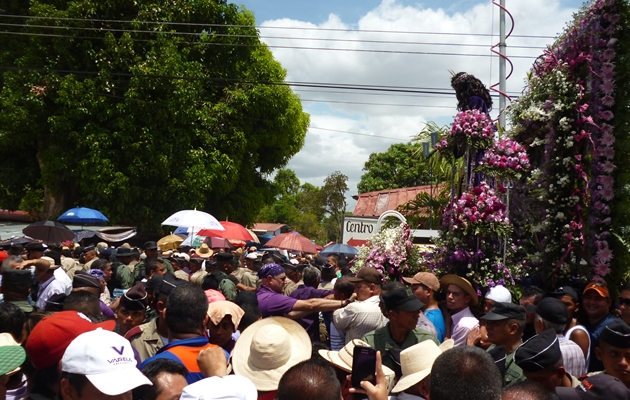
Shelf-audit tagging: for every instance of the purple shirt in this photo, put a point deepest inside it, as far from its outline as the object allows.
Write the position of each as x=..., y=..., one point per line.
x=107, y=312
x=311, y=321
x=273, y=304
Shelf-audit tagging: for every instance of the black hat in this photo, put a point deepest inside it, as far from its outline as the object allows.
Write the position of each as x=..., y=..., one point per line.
x=150, y=246
x=81, y=279
x=123, y=252
x=89, y=248
x=617, y=334
x=539, y=352
x=135, y=298
x=505, y=311
x=551, y=309
x=169, y=283
x=402, y=299
x=224, y=257
x=596, y=387
x=16, y=277
x=566, y=290
x=36, y=246
x=154, y=282
x=288, y=265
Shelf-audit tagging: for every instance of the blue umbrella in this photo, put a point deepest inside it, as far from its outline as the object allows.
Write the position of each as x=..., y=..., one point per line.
x=339, y=248
x=82, y=215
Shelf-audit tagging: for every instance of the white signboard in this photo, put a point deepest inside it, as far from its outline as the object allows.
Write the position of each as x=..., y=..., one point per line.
x=362, y=228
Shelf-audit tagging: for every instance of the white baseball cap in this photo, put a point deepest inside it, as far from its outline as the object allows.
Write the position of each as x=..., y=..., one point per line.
x=107, y=361
x=231, y=387
x=252, y=256
x=500, y=294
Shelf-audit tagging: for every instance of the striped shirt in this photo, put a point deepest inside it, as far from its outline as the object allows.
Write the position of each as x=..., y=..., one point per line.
x=359, y=318
x=572, y=356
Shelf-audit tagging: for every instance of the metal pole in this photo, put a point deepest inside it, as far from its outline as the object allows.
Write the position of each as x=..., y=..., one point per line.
x=502, y=65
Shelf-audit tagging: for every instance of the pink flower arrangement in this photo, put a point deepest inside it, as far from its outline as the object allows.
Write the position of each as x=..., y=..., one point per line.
x=505, y=158
x=480, y=205
x=471, y=127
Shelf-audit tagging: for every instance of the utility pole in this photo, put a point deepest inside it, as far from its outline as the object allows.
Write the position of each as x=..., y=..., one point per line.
x=502, y=65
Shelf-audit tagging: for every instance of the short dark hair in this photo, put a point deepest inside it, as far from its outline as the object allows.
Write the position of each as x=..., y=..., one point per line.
x=465, y=373
x=533, y=291
x=252, y=314
x=100, y=263
x=12, y=320
x=345, y=286
x=186, y=309
x=313, y=380
x=77, y=381
x=152, y=265
x=528, y=390
x=83, y=302
x=335, y=256
x=152, y=370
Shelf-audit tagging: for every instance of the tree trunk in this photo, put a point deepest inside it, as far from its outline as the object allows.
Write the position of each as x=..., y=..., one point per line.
x=54, y=200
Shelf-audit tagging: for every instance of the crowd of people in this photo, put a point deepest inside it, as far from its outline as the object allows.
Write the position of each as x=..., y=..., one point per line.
x=126, y=323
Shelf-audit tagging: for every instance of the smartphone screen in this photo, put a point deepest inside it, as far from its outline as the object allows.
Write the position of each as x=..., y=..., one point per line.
x=363, y=365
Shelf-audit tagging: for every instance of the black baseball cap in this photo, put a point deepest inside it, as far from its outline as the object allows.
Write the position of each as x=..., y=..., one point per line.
x=505, y=311
x=596, y=387
x=551, y=309
x=150, y=246
x=402, y=299
x=566, y=290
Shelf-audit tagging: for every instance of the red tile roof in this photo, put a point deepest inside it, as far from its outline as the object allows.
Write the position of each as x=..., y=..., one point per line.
x=268, y=227
x=373, y=204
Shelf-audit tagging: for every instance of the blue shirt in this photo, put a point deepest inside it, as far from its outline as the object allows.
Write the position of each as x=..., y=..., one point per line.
x=437, y=318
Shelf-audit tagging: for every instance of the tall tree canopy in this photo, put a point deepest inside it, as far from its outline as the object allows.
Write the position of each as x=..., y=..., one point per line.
x=142, y=108
x=402, y=165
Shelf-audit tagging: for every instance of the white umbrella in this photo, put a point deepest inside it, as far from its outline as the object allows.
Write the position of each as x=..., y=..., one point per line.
x=195, y=219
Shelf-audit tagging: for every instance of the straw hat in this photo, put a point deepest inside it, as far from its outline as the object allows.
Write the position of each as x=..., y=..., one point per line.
x=204, y=251
x=463, y=283
x=416, y=362
x=343, y=359
x=267, y=349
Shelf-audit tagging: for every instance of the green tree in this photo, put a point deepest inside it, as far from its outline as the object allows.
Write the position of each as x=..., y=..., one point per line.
x=398, y=167
x=333, y=199
x=165, y=110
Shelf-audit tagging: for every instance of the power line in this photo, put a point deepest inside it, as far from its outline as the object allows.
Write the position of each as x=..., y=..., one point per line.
x=355, y=133
x=229, y=35
x=290, y=47
x=374, y=104
x=264, y=27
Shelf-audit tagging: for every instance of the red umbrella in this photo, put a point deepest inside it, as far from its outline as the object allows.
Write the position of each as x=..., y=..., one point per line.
x=292, y=241
x=232, y=231
x=217, y=243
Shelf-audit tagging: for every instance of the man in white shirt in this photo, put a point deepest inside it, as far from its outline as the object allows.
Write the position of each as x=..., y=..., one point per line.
x=364, y=315
x=460, y=295
x=53, y=280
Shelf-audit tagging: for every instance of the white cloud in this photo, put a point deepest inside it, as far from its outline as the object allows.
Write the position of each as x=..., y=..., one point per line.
x=327, y=151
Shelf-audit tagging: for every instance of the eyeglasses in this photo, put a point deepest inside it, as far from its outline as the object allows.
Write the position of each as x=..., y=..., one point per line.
x=624, y=302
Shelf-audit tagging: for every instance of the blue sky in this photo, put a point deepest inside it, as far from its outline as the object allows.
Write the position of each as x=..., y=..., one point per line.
x=349, y=11
x=355, y=57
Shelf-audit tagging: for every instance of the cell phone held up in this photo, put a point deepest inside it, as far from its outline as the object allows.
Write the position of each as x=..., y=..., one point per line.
x=363, y=366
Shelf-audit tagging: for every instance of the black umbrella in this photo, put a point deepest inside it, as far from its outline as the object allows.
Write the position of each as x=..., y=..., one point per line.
x=49, y=231
x=16, y=240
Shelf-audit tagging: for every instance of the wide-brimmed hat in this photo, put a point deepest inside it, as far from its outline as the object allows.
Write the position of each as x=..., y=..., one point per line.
x=12, y=355
x=231, y=387
x=416, y=362
x=267, y=349
x=204, y=251
x=342, y=359
x=463, y=283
